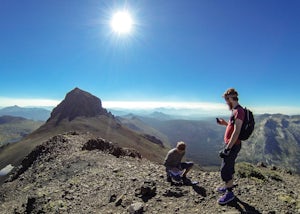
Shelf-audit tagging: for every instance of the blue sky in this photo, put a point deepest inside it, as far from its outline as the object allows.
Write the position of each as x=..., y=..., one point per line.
x=178, y=51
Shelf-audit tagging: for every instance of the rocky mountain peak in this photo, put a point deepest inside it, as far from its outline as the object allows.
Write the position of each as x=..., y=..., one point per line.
x=78, y=103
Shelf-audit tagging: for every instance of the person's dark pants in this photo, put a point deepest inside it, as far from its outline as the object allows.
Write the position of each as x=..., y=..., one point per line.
x=227, y=166
x=186, y=165
x=183, y=166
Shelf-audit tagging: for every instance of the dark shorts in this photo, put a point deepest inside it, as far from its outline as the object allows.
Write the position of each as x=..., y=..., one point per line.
x=186, y=165
x=183, y=165
x=227, y=166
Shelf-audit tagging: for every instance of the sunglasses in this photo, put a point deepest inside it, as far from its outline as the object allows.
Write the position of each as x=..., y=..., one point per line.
x=181, y=148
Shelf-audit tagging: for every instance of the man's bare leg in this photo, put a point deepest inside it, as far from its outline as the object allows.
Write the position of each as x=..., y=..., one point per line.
x=229, y=184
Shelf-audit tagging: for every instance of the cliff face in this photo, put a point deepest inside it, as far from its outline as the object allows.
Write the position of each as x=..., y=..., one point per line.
x=78, y=103
x=77, y=173
x=276, y=140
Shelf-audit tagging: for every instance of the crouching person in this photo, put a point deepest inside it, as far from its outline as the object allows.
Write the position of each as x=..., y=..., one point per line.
x=174, y=167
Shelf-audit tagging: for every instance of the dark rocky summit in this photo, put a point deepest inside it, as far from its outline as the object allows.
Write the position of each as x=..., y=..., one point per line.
x=77, y=173
x=78, y=103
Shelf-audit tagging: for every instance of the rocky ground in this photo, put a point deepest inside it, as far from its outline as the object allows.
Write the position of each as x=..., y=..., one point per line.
x=73, y=173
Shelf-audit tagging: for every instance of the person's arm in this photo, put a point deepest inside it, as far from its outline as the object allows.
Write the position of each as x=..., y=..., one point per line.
x=169, y=160
x=236, y=132
x=166, y=161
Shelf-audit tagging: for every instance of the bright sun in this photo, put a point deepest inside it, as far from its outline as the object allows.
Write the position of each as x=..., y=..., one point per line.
x=121, y=22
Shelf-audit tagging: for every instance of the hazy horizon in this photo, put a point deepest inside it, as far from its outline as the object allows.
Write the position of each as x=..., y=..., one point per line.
x=172, y=108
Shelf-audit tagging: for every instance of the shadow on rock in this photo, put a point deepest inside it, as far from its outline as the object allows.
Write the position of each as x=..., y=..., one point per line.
x=243, y=207
x=200, y=190
x=146, y=191
x=176, y=183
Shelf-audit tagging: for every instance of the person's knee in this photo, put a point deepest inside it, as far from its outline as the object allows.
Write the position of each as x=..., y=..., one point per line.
x=226, y=177
x=226, y=173
x=190, y=165
x=167, y=171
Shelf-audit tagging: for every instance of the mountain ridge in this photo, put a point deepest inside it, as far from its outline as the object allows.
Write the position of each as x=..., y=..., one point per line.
x=12, y=128
x=63, y=177
x=81, y=111
x=275, y=139
x=37, y=114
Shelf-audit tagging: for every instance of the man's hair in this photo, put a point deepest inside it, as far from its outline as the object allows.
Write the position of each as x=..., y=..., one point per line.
x=231, y=92
x=180, y=145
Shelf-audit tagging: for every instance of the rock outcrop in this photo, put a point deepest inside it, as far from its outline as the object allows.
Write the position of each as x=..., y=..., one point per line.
x=77, y=173
x=78, y=103
x=153, y=139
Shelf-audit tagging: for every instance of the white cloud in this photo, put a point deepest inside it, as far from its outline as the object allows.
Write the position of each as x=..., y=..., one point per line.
x=4, y=102
x=288, y=110
x=197, y=107
x=180, y=107
x=157, y=104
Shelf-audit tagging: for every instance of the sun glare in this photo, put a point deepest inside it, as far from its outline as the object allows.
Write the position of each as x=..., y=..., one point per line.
x=122, y=22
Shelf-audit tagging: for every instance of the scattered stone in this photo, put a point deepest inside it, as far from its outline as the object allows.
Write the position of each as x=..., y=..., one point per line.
x=173, y=192
x=30, y=204
x=119, y=200
x=112, y=198
x=261, y=164
x=104, y=145
x=136, y=208
x=273, y=168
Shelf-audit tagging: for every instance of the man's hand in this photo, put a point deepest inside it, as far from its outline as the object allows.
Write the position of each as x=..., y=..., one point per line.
x=221, y=121
x=224, y=153
x=175, y=171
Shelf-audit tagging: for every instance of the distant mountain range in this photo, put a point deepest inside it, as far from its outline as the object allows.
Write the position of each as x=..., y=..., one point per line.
x=276, y=139
x=13, y=129
x=38, y=114
x=84, y=159
x=203, y=138
x=165, y=113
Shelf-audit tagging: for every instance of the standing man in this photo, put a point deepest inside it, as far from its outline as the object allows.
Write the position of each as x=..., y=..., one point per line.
x=173, y=162
x=232, y=144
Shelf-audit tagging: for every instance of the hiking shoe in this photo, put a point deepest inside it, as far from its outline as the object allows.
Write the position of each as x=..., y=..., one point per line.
x=221, y=189
x=194, y=182
x=227, y=197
